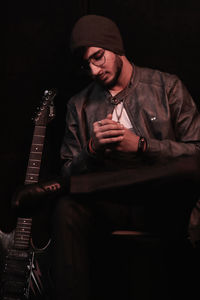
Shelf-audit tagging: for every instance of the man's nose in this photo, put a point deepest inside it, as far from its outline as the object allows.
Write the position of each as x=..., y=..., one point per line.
x=94, y=69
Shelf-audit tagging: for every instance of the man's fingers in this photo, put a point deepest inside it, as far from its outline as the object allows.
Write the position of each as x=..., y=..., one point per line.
x=110, y=133
x=109, y=116
x=106, y=124
x=110, y=128
x=107, y=131
x=111, y=140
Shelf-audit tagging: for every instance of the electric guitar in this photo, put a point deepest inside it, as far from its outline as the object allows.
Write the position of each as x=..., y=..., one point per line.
x=21, y=271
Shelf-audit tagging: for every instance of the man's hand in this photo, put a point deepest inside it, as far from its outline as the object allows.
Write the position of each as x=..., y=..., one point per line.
x=129, y=142
x=31, y=195
x=108, y=134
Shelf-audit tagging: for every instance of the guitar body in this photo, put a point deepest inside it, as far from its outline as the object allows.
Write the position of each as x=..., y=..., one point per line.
x=29, y=270
x=24, y=269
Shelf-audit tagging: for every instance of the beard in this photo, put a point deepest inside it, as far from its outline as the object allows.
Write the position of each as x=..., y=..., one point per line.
x=116, y=70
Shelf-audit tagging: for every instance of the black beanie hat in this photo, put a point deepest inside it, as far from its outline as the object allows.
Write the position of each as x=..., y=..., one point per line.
x=96, y=31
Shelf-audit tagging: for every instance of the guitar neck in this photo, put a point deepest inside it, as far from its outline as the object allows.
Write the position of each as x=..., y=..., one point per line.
x=22, y=233
x=23, y=228
x=35, y=157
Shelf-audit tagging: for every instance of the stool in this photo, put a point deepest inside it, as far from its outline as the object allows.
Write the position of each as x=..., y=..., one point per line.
x=139, y=261
x=145, y=268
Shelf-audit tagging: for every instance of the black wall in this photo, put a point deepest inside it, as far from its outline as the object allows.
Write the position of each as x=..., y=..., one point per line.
x=158, y=34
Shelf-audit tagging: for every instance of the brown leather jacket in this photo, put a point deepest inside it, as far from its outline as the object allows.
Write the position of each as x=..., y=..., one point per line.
x=159, y=108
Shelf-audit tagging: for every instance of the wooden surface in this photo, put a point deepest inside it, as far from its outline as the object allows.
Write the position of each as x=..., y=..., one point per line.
x=184, y=168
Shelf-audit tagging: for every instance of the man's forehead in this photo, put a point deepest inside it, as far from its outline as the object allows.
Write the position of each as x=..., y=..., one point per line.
x=89, y=51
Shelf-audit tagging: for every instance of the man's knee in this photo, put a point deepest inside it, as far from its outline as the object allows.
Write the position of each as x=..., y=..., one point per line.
x=69, y=212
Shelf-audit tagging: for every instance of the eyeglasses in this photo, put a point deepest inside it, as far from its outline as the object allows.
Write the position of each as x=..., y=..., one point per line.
x=98, y=59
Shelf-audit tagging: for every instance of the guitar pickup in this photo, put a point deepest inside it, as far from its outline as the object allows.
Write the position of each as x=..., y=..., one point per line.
x=18, y=254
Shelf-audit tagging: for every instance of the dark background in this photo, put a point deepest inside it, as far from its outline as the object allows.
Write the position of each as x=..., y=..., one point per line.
x=157, y=34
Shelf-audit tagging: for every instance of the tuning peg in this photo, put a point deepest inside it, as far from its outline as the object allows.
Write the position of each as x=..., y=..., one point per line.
x=50, y=92
x=46, y=92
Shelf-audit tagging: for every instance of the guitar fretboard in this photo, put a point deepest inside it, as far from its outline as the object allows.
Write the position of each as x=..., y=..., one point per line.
x=22, y=233
x=19, y=261
x=35, y=156
x=23, y=228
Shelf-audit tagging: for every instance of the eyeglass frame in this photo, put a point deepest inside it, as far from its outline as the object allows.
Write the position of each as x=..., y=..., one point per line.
x=86, y=63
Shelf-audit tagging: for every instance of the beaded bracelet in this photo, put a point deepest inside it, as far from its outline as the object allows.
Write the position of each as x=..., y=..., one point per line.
x=90, y=147
x=141, y=145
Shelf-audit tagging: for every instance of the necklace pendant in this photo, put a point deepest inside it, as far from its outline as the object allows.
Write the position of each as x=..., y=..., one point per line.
x=115, y=101
x=118, y=112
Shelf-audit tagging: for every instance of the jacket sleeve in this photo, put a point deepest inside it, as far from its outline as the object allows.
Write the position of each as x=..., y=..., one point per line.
x=185, y=120
x=74, y=149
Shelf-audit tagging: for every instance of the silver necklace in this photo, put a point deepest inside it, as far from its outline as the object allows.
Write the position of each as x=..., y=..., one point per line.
x=118, y=115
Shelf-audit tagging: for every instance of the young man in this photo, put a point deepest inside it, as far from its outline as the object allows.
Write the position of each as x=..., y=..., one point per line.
x=127, y=117
x=126, y=106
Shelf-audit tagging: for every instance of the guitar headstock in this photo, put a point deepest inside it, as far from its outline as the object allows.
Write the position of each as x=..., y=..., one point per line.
x=46, y=112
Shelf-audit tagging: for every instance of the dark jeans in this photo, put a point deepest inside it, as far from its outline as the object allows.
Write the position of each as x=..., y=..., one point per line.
x=83, y=223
